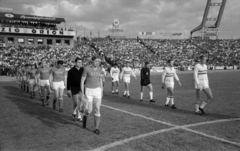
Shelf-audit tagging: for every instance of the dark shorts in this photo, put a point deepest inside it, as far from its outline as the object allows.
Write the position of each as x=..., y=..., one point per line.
x=145, y=82
x=75, y=91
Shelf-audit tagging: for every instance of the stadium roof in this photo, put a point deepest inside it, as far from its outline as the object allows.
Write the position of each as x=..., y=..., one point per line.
x=21, y=17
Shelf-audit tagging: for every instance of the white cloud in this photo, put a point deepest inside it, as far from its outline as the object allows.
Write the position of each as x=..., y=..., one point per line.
x=134, y=15
x=42, y=10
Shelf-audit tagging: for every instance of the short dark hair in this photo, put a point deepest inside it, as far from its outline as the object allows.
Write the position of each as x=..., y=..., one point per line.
x=76, y=60
x=169, y=60
x=201, y=57
x=146, y=62
x=60, y=62
x=93, y=58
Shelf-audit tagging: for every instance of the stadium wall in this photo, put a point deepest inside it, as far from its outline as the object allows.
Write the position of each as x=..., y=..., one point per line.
x=49, y=40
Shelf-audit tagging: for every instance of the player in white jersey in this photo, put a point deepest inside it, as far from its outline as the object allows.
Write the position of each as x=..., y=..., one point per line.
x=168, y=76
x=201, y=84
x=125, y=77
x=115, y=73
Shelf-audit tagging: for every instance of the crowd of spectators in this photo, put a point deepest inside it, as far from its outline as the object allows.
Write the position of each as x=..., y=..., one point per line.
x=157, y=51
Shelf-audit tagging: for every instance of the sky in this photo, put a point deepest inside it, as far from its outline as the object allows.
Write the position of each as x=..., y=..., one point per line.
x=159, y=16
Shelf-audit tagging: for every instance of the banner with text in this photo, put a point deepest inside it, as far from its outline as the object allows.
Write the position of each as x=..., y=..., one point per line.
x=146, y=33
x=36, y=31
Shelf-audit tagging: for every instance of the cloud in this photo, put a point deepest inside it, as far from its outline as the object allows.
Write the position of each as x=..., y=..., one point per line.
x=134, y=15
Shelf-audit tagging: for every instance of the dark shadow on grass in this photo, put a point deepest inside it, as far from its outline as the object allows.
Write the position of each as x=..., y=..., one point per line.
x=122, y=100
x=32, y=107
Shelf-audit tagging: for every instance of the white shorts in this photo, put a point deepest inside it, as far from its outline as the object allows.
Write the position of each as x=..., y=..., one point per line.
x=31, y=81
x=169, y=84
x=95, y=93
x=126, y=79
x=24, y=78
x=201, y=85
x=115, y=79
x=58, y=85
x=43, y=83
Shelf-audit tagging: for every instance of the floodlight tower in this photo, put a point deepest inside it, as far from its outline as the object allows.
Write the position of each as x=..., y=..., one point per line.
x=211, y=30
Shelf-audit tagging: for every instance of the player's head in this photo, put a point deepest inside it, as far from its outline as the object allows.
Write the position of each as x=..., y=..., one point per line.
x=170, y=62
x=96, y=61
x=26, y=66
x=146, y=64
x=78, y=62
x=127, y=63
x=115, y=64
x=33, y=66
x=59, y=63
x=44, y=63
x=202, y=59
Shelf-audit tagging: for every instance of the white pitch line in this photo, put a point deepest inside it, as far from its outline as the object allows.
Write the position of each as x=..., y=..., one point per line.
x=117, y=143
x=138, y=115
x=184, y=127
x=211, y=136
x=212, y=122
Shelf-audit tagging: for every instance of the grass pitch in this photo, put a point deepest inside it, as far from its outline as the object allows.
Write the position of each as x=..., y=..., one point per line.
x=127, y=124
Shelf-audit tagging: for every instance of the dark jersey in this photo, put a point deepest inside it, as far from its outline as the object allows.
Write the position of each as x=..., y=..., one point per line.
x=145, y=76
x=145, y=73
x=74, y=79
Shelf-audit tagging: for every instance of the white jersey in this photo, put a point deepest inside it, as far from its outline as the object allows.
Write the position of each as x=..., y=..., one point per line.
x=168, y=75
x=127, y=72
x=200, y=76
x=114, y=72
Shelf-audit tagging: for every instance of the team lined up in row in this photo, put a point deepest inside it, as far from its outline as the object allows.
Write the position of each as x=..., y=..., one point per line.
x=85, y=85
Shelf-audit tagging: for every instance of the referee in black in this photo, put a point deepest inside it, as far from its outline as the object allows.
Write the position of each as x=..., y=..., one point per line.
x=145, y=81
x=74, y=88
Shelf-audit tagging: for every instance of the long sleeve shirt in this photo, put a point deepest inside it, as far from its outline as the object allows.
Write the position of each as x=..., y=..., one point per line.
x=74, y=78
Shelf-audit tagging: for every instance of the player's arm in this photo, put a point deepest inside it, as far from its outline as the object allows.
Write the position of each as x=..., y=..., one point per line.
x=163, y=77
x=37, y=76
x=176, y=77
x=195, y=74
x=111, y=72
x=141, y=74
x=65, y=77
x=133, y=74
x=84, y=75
x=51, y=77
x=121, y=75
x=69, y=77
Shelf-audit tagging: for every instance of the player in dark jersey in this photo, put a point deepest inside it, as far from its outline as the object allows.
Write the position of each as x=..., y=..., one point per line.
x=145, y=81
x=74, y=87
x=92, y=75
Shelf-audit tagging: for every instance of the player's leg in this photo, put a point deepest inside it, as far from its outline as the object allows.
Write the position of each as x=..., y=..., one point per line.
x=170, y=92
x=209, y=95
x=113, y=86
x=48, y=92
x=116, y=89
x=127, y=89
x=141, y=93
x=150, y=92
x=42, y=97
x=97, y=115
x=167, y=99
x=31, y=87
x=75, y=106
x=197, y=102
x=60, y=94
